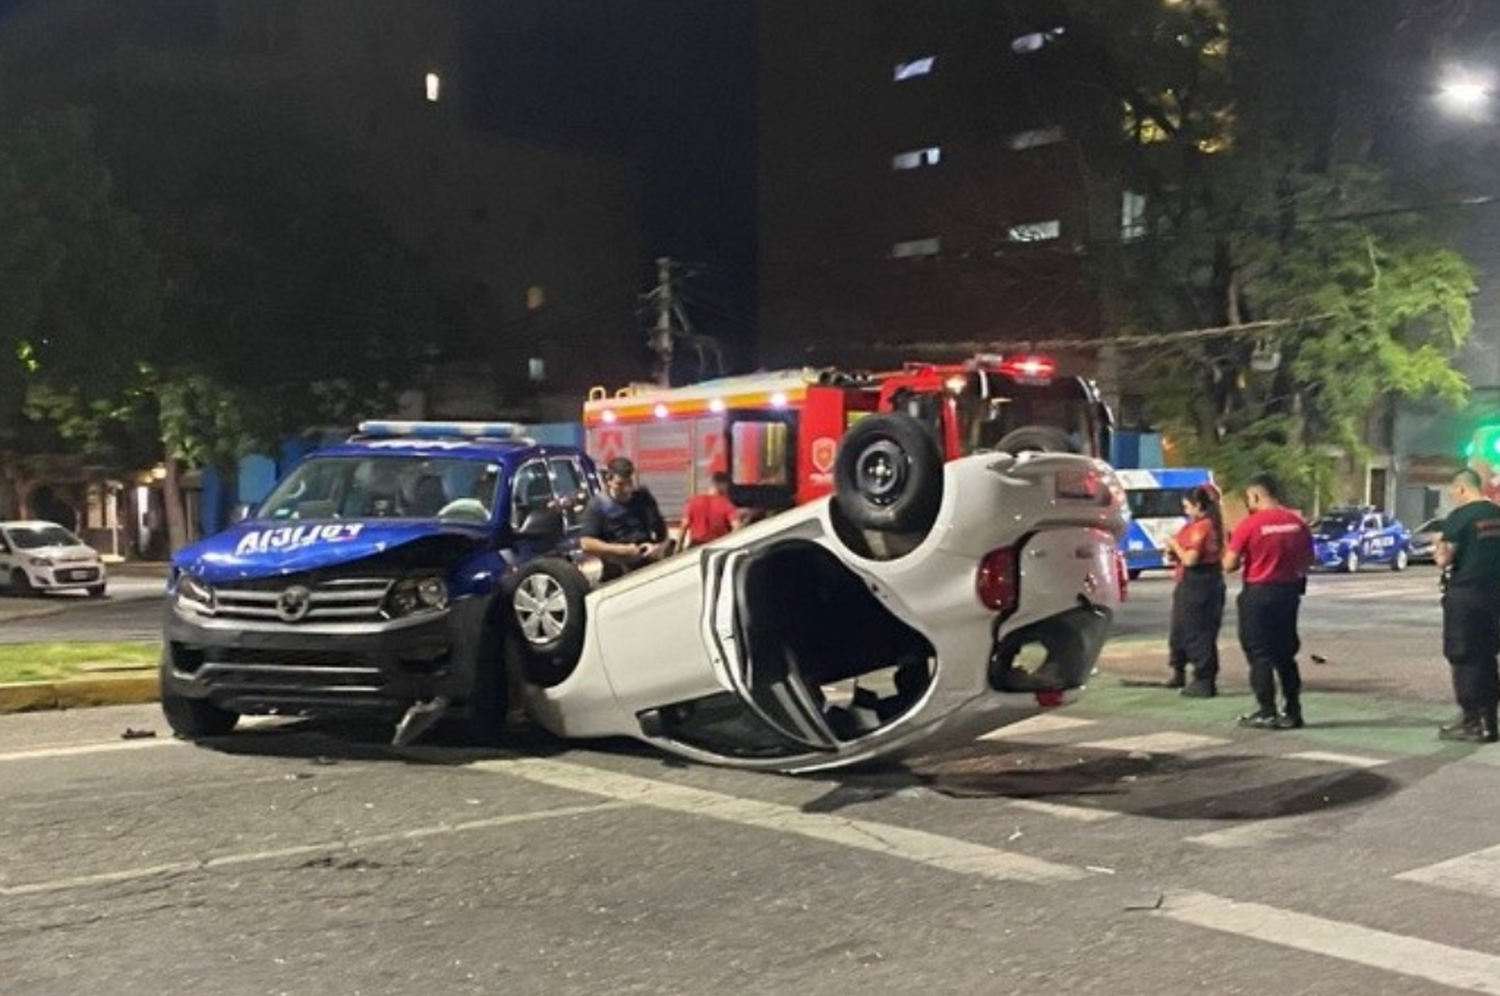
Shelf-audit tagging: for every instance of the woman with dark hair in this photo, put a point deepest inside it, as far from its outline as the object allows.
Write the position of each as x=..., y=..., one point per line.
x=1198, y=600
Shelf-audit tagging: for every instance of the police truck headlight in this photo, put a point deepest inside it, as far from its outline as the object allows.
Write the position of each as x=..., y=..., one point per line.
x=419, y=594
x=195, y=596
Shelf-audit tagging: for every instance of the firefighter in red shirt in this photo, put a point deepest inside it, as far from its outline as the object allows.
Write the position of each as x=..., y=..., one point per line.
x=709, y=515
x=1275, y=548
x=1198, y=600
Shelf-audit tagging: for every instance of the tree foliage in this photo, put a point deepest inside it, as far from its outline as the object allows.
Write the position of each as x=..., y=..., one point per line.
x=1262, y=209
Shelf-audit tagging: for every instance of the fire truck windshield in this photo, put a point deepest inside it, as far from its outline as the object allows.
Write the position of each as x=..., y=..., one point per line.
x=992, y=407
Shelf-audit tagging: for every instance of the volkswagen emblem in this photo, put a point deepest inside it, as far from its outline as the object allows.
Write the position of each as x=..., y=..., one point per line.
x=294, y=603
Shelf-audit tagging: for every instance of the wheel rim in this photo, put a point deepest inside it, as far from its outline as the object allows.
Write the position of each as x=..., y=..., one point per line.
x=880, y=473
x=541, y=608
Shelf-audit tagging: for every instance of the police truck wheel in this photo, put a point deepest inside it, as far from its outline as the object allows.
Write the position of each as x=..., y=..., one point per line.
x=888, y=476
x=547, y=614
x=1351, y=562
x=1036, y=439
x=1400, y=561
x=191, y=719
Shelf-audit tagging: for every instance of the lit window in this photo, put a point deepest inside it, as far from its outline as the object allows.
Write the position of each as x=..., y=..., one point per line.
x=1132, y=215
x=536, y=369
x=1035, y=138
x=913, y=248
x=916, y=158
x=1034, y=41
x=1035, y=231
x=434, y=86
x=916, y=67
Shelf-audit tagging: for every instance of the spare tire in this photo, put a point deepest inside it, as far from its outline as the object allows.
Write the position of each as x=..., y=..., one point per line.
x=547, y=611
x=888, y=476
x=1036, y=439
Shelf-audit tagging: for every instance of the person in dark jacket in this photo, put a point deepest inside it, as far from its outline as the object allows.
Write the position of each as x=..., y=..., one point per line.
x=623, y=526
x=1198, y=599
x=1469, y=554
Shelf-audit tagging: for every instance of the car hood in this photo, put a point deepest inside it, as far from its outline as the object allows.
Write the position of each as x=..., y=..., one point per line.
x=255, y=549
x=62, y=551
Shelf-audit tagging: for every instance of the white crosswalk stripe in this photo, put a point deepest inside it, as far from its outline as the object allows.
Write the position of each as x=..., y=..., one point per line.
x=1477, y=873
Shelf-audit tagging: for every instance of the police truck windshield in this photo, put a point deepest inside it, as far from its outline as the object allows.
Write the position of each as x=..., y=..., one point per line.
x=386, y=486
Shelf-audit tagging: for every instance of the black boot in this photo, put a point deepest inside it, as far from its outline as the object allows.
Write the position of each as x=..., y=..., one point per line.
x=1489, y=729
x=1465, y=729
x=1201, y=688
x=1178, y=680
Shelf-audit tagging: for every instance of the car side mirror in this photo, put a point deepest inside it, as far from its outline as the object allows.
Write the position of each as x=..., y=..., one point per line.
x=244, y=510
x=541, y=524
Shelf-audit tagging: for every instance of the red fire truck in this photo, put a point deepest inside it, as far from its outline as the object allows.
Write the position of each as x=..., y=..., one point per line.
x=777, y=433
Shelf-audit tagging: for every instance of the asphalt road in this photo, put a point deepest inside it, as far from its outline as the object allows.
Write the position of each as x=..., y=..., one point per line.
x=131, y=610
x=1130, y=845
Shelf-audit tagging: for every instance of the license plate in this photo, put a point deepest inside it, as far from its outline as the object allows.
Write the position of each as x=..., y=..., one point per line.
x=77, y=575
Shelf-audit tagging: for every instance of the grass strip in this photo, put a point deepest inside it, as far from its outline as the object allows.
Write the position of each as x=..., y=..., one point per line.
x=57, y=661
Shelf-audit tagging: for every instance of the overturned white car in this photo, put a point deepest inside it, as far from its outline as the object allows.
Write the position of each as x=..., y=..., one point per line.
x=922, y=598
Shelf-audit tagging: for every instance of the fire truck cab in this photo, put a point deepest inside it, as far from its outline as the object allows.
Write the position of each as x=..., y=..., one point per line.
x=777, y=433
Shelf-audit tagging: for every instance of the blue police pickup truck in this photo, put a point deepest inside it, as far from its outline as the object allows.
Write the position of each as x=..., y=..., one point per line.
x=374, y=579
x=1347, y=538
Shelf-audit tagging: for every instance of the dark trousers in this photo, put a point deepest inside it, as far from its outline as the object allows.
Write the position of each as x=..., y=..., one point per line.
x=1471, y=643
x=1268, y=636
x=1197, y=613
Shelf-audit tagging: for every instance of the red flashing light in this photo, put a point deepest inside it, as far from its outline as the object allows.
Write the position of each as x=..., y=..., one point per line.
x=997, y=582
x=1030, y=367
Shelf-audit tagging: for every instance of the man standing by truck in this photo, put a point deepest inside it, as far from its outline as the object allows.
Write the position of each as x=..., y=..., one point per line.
x=623, y=526
x=709, y=515
x=1469, y=554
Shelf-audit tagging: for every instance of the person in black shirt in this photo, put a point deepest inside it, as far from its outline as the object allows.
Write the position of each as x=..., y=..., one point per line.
x=1469, y=553
x=623, y=526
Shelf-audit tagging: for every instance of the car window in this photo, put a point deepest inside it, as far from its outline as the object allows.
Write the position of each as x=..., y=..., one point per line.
x=530, y=490
x=36, y=537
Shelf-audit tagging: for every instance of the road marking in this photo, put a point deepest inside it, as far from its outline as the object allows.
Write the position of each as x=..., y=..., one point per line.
x=1347, y=760
x=917, y=846
x=1166, y=742
x=80, y=750
x=1456, y=967
x=1047, y=722
x=299, y=850
x=1252, y=833
x=1477, y=873
x=1078, y=814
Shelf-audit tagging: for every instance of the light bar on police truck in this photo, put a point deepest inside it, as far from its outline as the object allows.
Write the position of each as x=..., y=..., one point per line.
x=441, y=430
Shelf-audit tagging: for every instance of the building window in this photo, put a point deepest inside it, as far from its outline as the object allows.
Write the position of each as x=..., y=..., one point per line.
x=916, y=248
x=1035, y=138
x=1035, y=41
x=1132, y=215
x=916, y=67
x=916, y=158
x=434, y=87
x=1035, y=231
x=536, y=369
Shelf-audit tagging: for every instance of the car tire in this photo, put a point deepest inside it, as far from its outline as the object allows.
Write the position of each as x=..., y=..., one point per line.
x=192, y=719
x=1351, y=562
x=96, y=590
x=1036, y=439
x=1401, y=560
x=1132, y=574
x=482, y=723
x=888, y=476
x=20, y=584
x=547, y=615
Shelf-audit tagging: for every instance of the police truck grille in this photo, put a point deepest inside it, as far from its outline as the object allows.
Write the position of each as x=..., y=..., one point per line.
x=282, y=600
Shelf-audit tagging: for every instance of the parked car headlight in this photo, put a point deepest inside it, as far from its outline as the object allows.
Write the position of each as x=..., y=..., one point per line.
x=418, y=594
x=194, y=595
x=40, y=561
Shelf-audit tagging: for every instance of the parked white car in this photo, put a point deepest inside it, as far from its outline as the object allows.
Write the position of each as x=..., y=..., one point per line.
x=922, y=599
x=38, y=556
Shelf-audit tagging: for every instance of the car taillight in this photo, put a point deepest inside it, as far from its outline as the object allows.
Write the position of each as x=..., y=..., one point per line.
x=997, y=581
x=1122, y=574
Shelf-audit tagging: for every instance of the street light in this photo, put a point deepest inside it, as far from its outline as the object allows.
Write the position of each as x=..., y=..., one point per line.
x=1466, y=92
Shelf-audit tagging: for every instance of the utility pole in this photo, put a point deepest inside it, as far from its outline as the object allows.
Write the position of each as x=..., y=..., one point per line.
x=661, y=335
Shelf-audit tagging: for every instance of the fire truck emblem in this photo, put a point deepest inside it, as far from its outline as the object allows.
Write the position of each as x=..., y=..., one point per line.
x=824, y=449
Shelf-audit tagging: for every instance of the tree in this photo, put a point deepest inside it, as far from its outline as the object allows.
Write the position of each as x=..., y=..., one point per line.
x=1261, y=208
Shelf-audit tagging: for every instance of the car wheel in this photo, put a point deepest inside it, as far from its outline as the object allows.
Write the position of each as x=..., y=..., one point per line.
x=482, y=723
x=1400, y=561
x=191, y=719
x=96, y=591
x=888, y=476
x=547, y=613
x=1351, y=561
x=20, y=584
x=1133, y=574
x=1036, y=439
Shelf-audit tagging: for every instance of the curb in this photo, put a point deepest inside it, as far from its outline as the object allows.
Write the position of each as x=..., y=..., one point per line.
x=80, y=693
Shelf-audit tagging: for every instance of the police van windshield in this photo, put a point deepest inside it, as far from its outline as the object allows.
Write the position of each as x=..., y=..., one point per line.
x=992, y=406
x=386, y=486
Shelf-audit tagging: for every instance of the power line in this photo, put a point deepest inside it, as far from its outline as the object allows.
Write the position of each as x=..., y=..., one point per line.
x=1127, y=340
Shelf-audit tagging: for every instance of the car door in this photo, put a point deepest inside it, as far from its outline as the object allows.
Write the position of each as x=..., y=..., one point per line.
x=7, y=559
